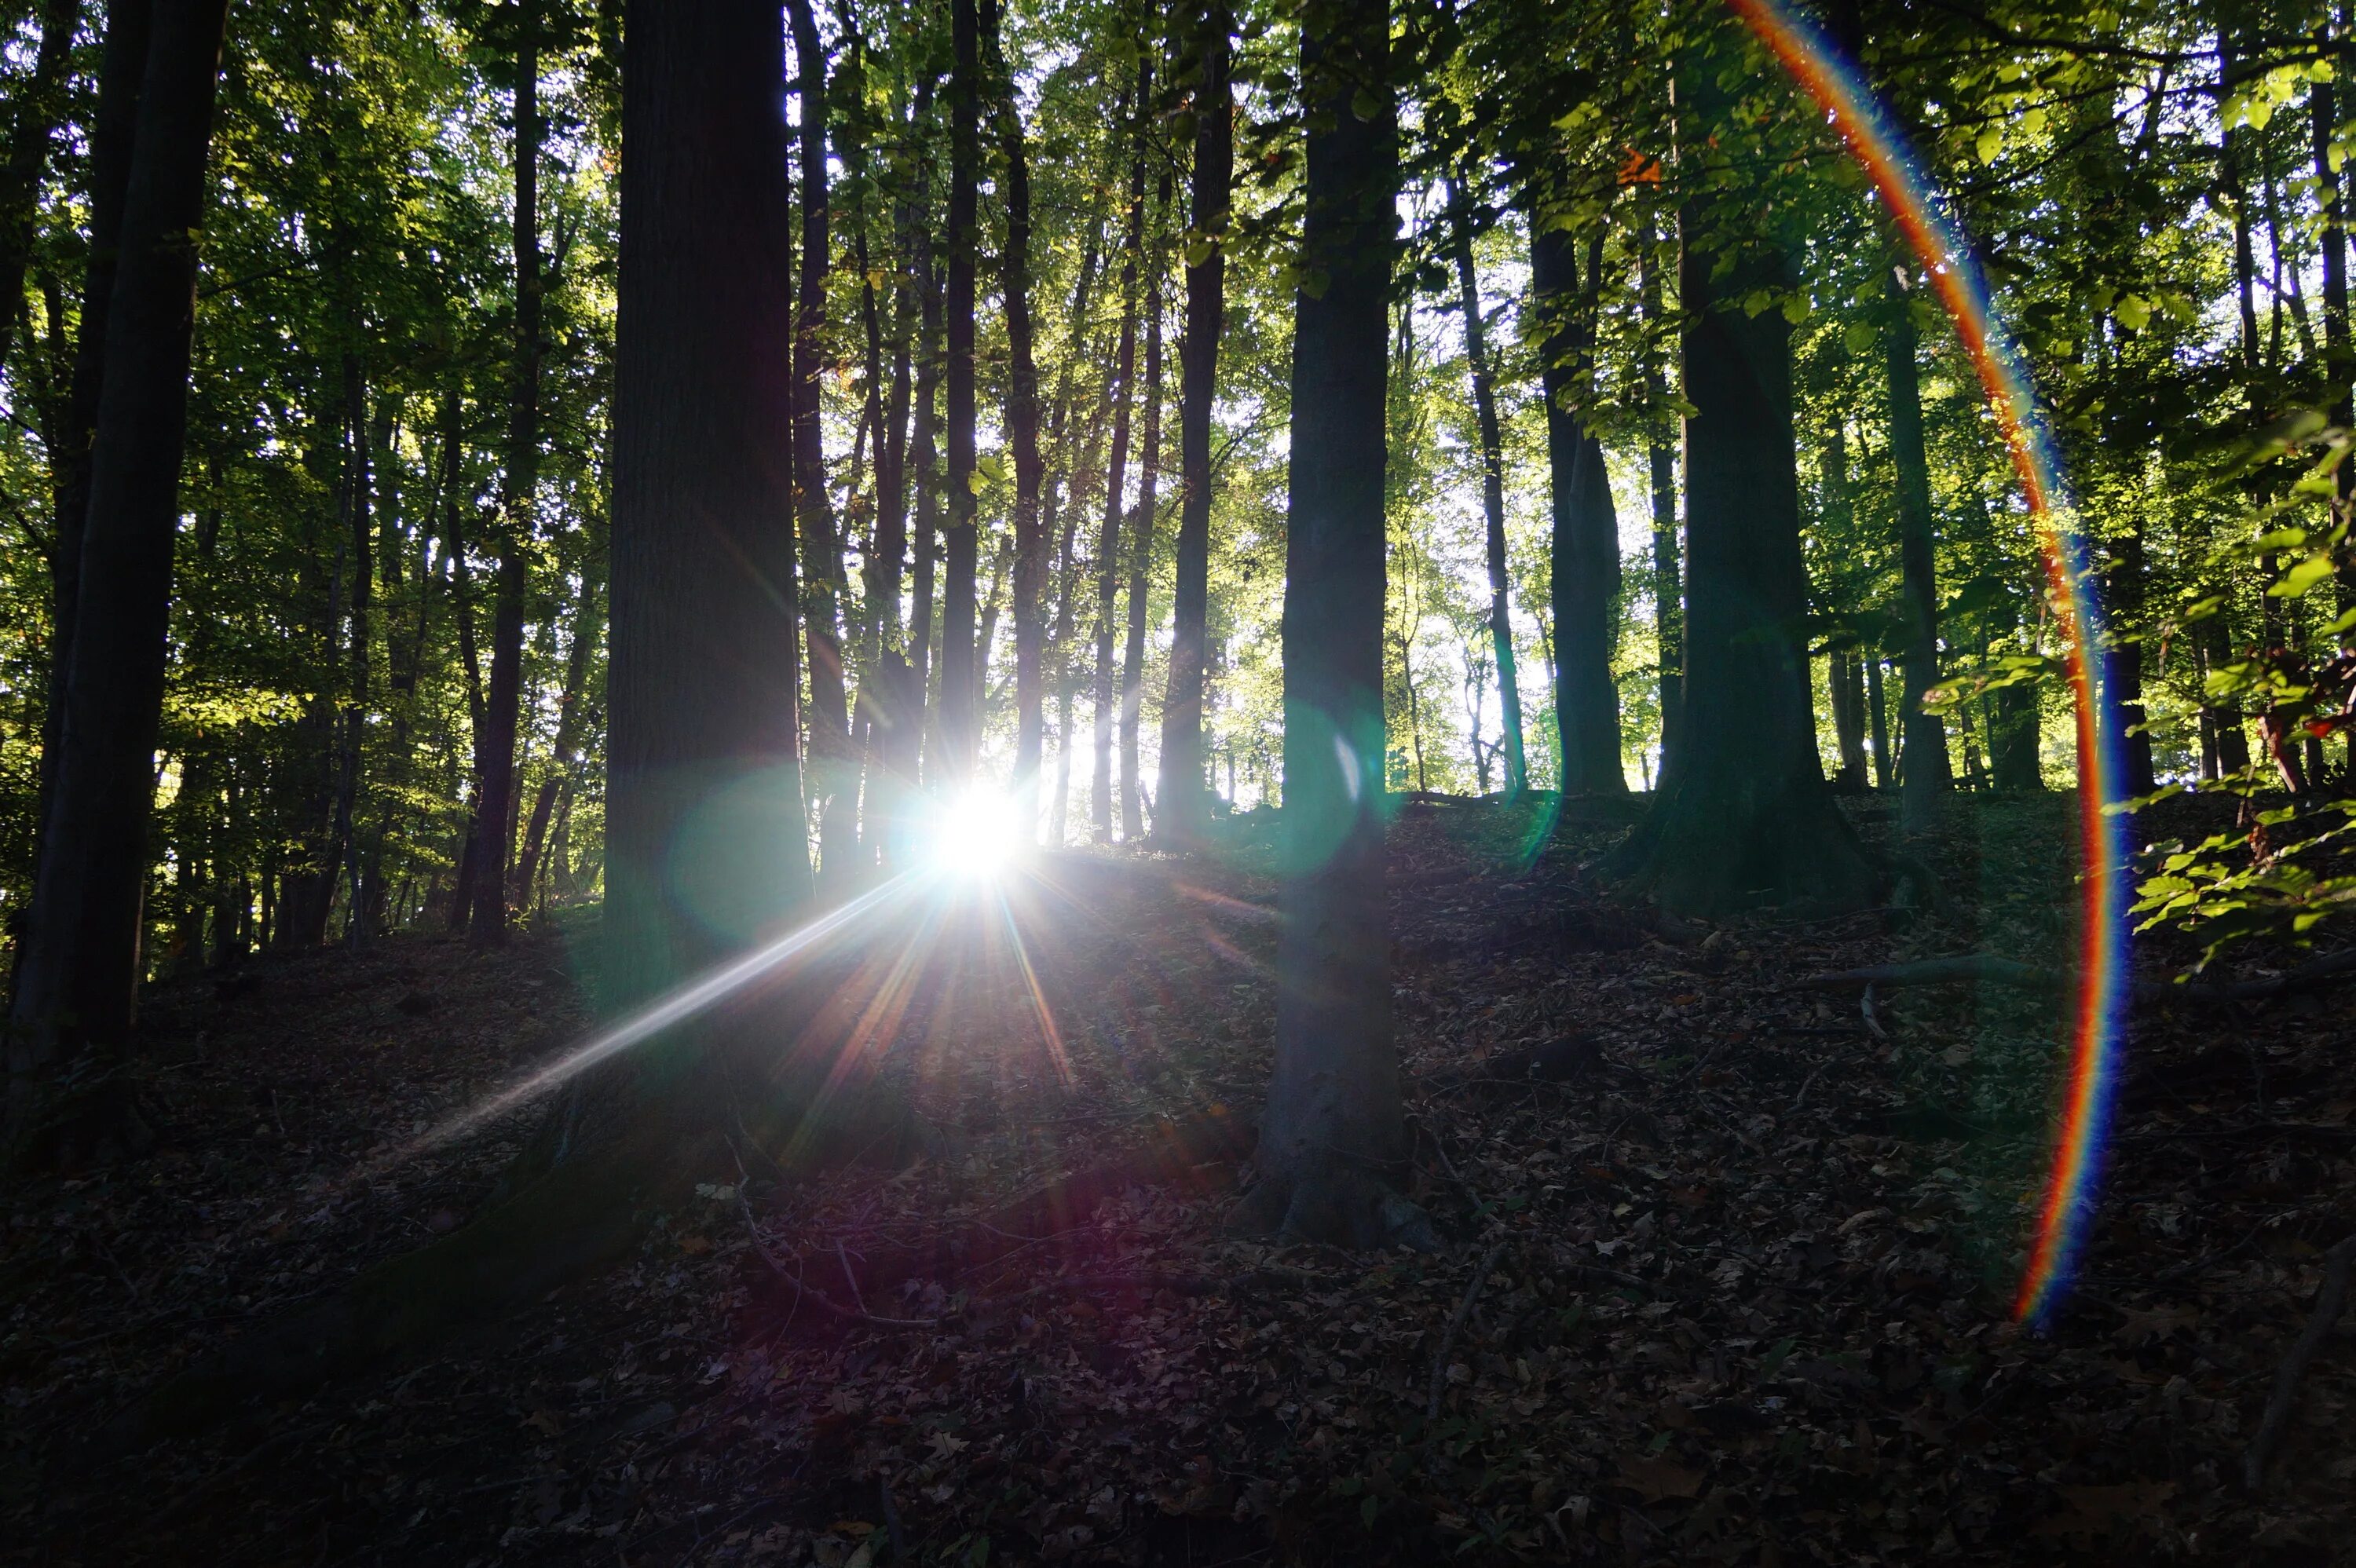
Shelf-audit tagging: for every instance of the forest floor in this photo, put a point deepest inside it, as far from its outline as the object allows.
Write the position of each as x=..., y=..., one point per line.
x=1728, y=1275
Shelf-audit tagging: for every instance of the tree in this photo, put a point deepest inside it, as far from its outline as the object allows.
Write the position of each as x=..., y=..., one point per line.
x=1123, y=390
x=1180, y=819
x=1022, y=430
x=1333, y=1126
x=31, y=130
x=1743, y=815
x=78, y=975
x=1585, y=542
x=834, y=770
x=959, y=734
x=496, y=796
x=1493, y=496
x=1141, y=542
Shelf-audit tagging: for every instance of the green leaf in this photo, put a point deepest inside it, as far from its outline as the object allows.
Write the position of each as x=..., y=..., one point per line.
x=2132, y=311
x=1990, y=143
x=2299, y=579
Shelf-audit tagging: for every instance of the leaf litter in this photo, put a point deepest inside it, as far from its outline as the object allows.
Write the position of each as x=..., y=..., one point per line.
x=1730, y=1278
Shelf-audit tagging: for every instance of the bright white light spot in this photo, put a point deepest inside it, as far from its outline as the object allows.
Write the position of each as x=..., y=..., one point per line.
x=977, y=833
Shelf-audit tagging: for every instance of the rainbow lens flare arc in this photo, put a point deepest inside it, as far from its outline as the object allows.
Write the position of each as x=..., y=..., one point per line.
x=2095, y=1019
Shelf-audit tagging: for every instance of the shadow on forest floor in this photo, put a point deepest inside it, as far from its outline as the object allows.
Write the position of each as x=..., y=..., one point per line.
x=1739, y=1272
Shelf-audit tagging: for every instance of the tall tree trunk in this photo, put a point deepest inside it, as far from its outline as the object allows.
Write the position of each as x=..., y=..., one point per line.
x=572, y=714
x=1660, y=461
x=359, y=498
x=1101, y=783
x=33, y=125
x=77, y=982
x=1141, y=541
x=922, y=666
x=1333, y=1129
x=1844, y=677
x=1878, y=710
x=1744, y=817
x=1585, y=546
x=121, y=73
x=1922, y=794
x=1023, y=433
x=503, y=704
x=1493, y=494
x=961, y=539
x=834, y=773
x=1183, y=815
x=2339, y=355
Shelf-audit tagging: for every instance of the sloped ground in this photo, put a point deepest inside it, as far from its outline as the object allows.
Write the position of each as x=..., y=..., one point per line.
x=1729, y=1278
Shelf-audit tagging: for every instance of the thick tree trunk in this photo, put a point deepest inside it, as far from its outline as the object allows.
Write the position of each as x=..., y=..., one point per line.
x=1183, y=815
x=1923, y=792
x=1023, y=435
x=1140, y=544
x=33, y=125
x=122, y=68
x=78, y=978
x=1333, y=1130
x=1493, y=496
x=961, y=731
x=834, y=773
x=1585, y=546
x=1744, y=817
x=1101, y=783
x=496, y=799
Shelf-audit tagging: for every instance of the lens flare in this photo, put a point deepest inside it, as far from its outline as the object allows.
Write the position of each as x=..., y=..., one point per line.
x=976, y=835
x=1839, y=90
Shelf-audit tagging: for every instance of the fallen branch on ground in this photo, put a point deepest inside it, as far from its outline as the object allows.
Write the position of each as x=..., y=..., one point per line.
x=2330, y=969
x=2279, y=1404
x=1455, y=1324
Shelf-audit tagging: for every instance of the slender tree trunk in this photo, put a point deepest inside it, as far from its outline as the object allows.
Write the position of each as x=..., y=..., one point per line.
x=496, y=799
x=1183, y=816
x=34, y=124
x=834, y=773
x=1923, y=792
x=1333, y=1130
x=1660, y=459
x=1492, y=495
x=1141, y=542
x=1844, y=677
x=1116, y=477
x=1878, y=709
x=931, y=355
x=571, y=713
x=1585, y=540
x=1023, y=433
x=2339, y=355
x=359, y=497
x=1744, y=818
x=77, y=982
x=961, y=539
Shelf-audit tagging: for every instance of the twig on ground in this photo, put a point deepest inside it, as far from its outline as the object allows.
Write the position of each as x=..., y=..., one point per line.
x=816, y=1298
x=1455, y=1324
x=2328, y=1302
x=1865, y=1006
x=1807, y=1084
x=2330, y=969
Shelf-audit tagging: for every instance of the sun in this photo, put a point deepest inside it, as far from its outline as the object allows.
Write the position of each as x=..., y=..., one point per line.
x=977, y=833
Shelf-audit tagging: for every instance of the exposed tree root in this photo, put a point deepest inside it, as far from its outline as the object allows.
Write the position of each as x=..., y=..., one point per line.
x=1334, y=1204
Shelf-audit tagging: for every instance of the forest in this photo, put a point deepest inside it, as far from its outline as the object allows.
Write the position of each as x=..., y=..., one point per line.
x=873, y=782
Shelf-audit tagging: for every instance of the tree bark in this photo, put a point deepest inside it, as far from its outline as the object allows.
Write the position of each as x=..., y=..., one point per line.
x=833, y=772
x=77, y=983
x=1660, y=460
x=961, y=539
x=496, y=799
x=1183, y=816
x=1101, y=783
x=1140, y=543
x=1744, y=817
x=1333, y=1130
x=1023, y=435
x=1921, y=797
x=1493, y=494
x=121, y=72
x=1585, y=545
x=572, y=712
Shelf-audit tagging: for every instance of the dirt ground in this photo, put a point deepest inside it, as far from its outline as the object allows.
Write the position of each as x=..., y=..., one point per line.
x=1728, y=1275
